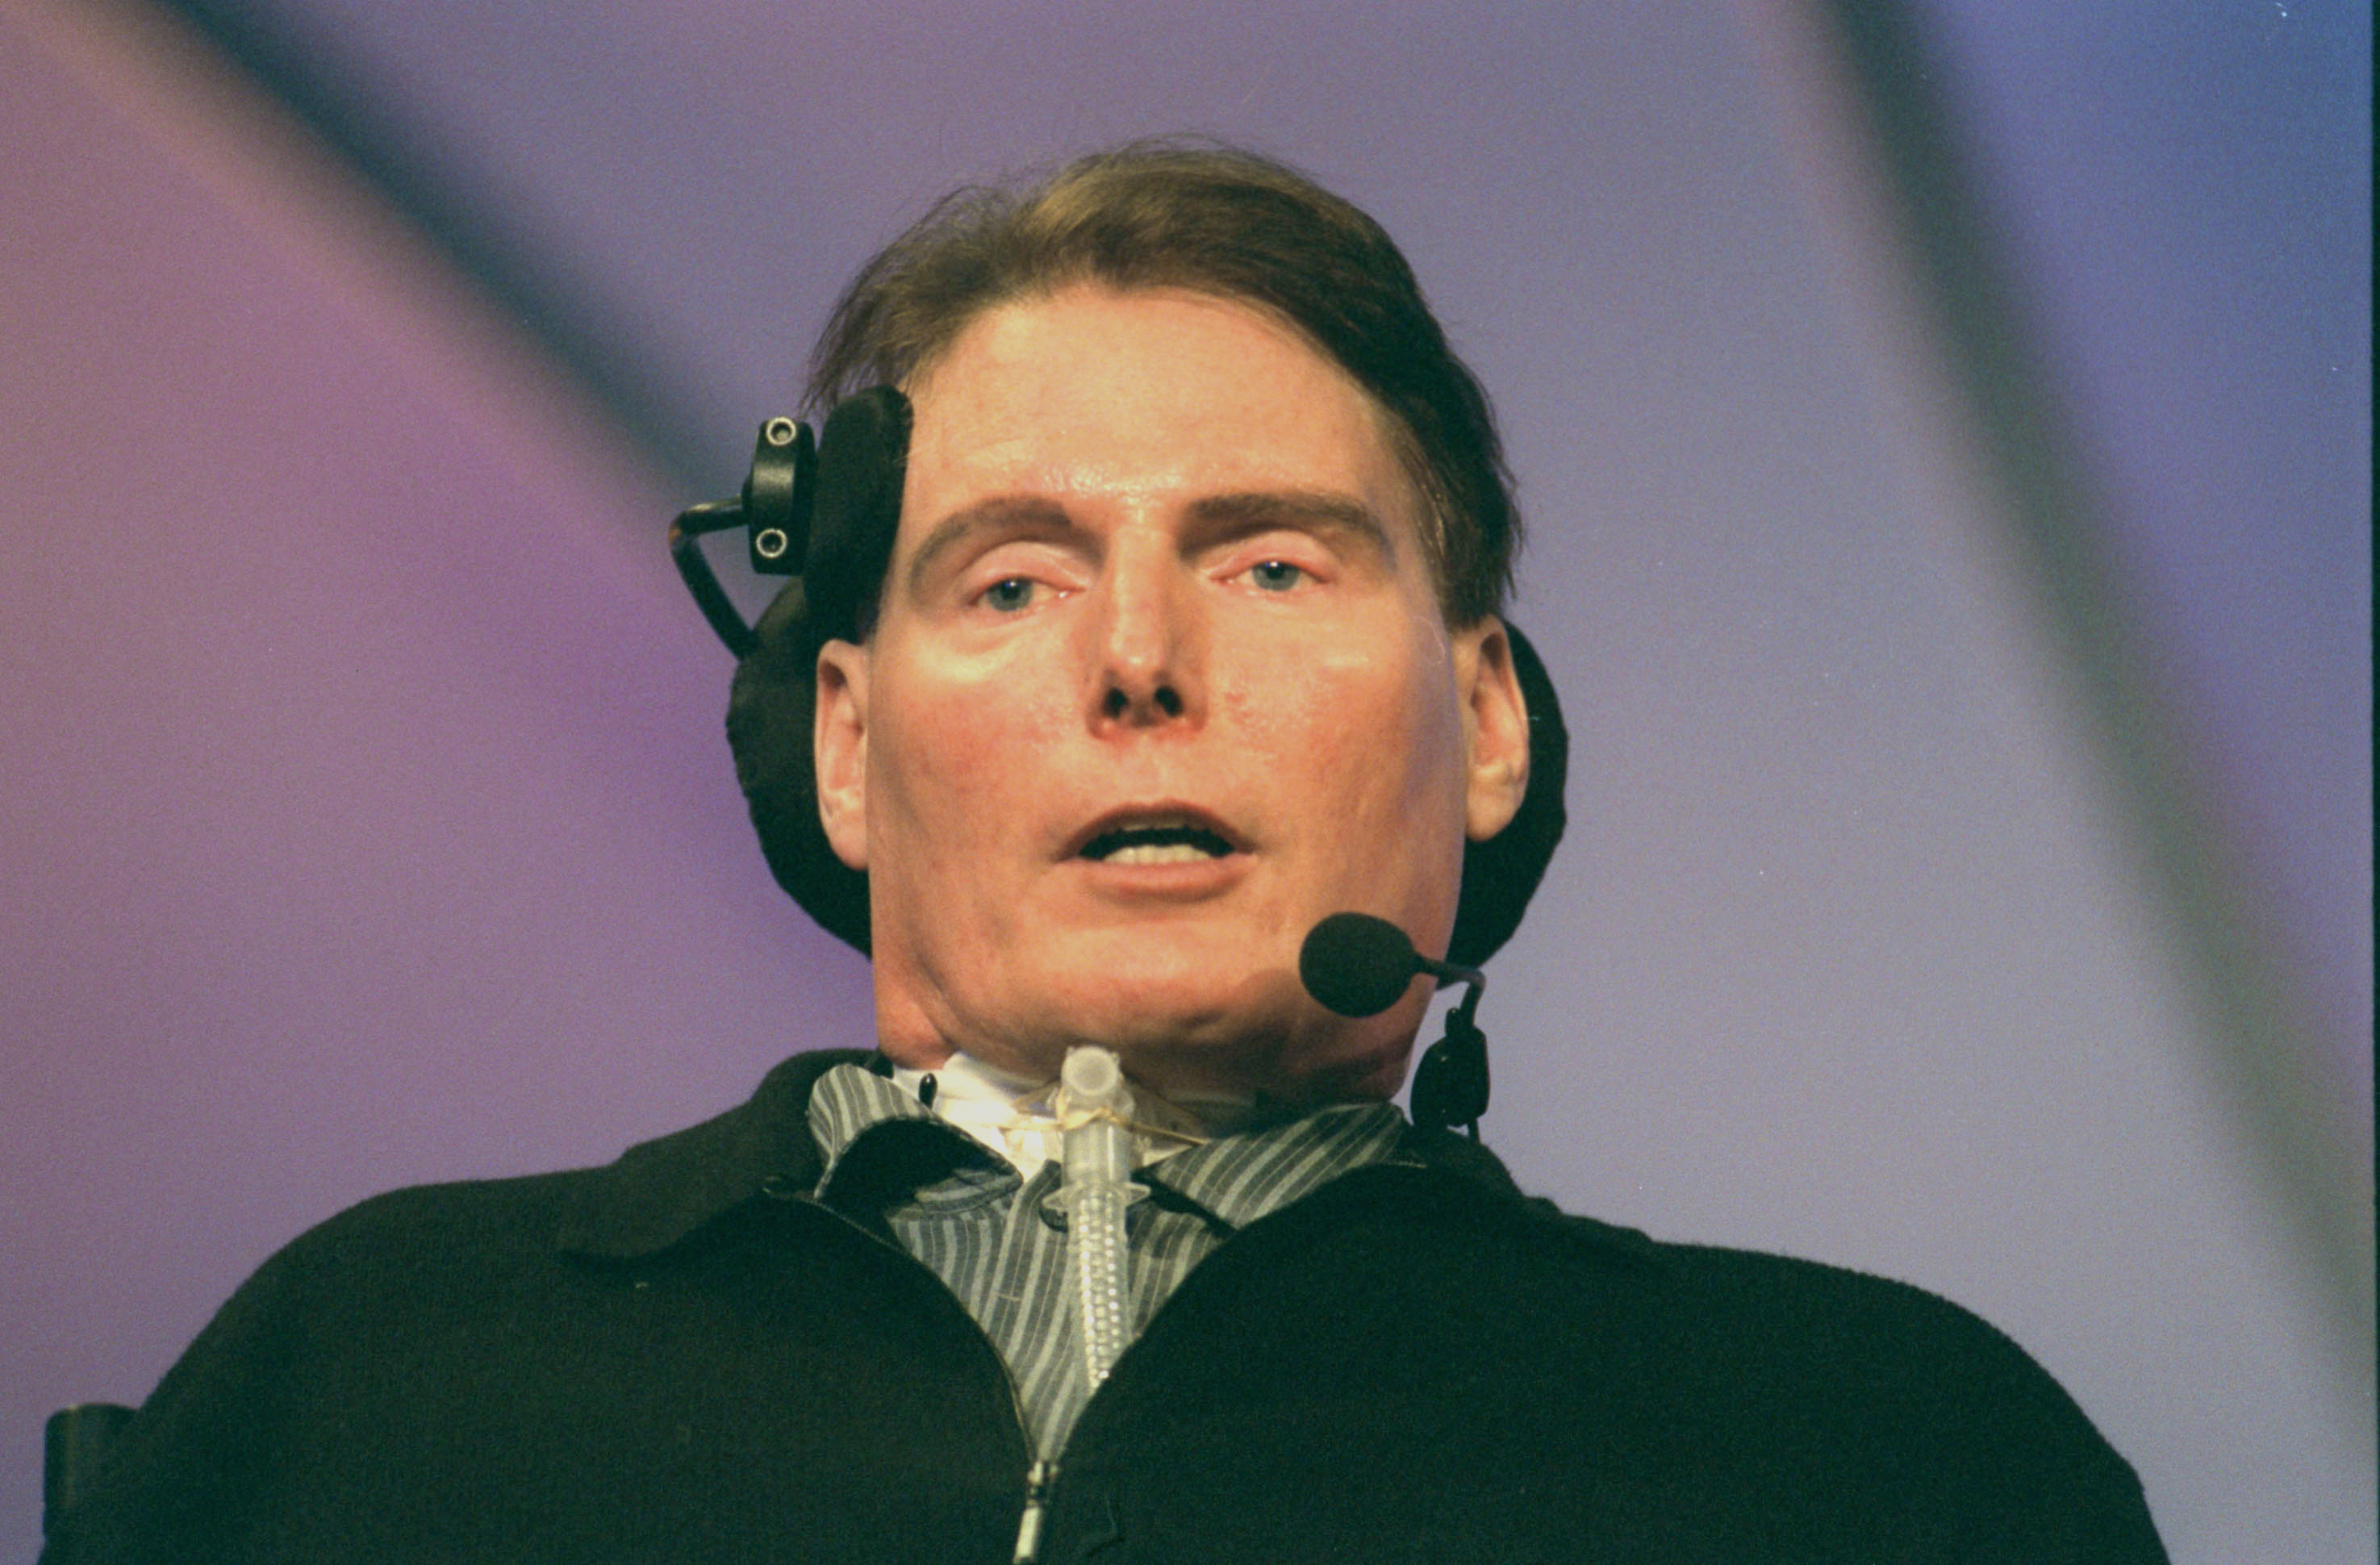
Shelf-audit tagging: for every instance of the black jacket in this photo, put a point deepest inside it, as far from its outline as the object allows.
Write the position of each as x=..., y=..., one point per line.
x=682, y=1356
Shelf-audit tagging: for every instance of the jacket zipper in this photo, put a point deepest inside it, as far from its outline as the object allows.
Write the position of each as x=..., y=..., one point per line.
x=1038, y=1479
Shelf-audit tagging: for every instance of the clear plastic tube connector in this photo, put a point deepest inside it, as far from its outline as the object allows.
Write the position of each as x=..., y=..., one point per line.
x=1094, y=1115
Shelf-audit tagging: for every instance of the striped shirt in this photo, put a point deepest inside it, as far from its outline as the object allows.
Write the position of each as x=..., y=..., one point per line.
x=991, y=1236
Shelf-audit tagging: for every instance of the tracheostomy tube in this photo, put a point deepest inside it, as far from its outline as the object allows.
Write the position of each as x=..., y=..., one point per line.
x=1094, y=1117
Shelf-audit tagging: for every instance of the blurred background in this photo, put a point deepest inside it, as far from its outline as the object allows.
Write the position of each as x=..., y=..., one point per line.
x=1943, y=427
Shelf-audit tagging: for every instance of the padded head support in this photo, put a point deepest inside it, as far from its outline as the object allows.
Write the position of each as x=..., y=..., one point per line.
x=862, y=458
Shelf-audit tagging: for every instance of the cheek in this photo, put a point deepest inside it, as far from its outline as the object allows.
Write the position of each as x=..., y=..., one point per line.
x=948, y=756
x=1376, y=743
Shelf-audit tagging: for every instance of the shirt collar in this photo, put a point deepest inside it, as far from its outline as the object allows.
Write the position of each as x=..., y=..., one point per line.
x=1016, y=1118
x=1241, y=1178
x=662, y=1191
x=1235, y=1178
x=847, y=1101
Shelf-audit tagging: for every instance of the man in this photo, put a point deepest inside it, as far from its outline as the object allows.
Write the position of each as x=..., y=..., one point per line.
x=1147, y=617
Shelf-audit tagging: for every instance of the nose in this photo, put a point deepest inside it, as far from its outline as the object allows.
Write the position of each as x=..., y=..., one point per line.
x=1149, y=661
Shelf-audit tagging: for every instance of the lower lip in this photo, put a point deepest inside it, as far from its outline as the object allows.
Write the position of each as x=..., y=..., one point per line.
x=1186, y=880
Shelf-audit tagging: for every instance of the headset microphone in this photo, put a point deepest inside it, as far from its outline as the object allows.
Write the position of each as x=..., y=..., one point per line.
x=1355, y=964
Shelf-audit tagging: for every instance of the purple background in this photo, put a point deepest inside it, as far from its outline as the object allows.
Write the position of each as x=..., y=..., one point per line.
x=368, y=821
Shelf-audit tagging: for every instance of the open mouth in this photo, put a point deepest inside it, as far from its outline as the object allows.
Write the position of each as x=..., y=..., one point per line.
x=1177, y=840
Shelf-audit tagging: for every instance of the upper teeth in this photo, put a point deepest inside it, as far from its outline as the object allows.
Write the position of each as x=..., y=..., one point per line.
x=1158, y=853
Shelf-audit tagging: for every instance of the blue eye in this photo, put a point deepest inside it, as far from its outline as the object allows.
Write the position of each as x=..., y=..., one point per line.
x=1276, y=575
x=1009, y=594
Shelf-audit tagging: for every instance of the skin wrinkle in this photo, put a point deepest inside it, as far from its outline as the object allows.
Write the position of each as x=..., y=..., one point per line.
x=1123, y=461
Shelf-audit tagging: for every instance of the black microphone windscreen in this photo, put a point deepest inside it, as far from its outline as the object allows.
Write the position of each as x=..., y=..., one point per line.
x=1356, y=965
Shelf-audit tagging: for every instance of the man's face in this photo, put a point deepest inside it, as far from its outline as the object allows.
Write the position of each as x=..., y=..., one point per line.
x=1159, y=679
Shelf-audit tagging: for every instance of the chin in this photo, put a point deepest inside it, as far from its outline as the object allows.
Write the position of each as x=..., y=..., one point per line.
x=1261, y=1036
x=1167, y=964
x=1189, y=1006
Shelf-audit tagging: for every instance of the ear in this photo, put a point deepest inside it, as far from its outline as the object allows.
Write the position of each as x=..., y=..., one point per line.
x=839, y=750
x=1495, y=727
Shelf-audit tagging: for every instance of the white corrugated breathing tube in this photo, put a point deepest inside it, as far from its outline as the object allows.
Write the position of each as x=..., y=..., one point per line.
x=1094, y=1117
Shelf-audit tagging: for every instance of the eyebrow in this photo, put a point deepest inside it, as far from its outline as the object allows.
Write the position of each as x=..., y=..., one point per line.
x=1312, y=510
x=1006, y=514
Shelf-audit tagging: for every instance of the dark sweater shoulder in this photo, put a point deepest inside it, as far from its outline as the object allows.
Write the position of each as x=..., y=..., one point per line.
x=1767, y=1321
x=651, y=1196
x=1855, y=1311
x=1883, y=1385
x=474, y=1215
x=403, y=1264
x=440, y=1246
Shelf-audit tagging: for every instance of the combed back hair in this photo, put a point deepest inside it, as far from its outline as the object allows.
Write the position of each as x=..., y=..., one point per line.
x=1218, y=221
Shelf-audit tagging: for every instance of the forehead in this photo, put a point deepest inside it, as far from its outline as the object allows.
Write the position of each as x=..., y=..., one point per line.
x=1143, y=395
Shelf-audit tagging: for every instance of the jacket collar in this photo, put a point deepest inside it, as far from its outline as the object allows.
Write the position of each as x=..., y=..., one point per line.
x=661, y=1192
x=1479, y=1172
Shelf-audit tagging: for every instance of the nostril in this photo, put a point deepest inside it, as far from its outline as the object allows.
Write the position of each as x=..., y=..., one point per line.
x=1120, y=704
